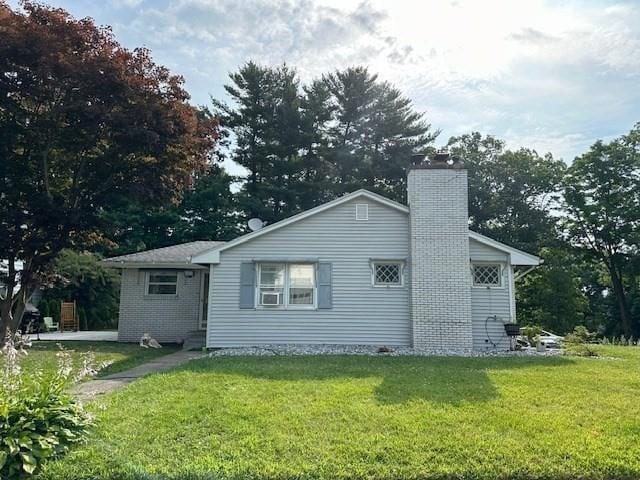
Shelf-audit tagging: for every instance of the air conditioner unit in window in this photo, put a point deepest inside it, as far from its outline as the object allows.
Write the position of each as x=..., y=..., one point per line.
x=270, y=298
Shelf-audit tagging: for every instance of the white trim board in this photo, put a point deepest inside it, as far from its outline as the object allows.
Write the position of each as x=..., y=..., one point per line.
x=517, y=257
x=212, y=256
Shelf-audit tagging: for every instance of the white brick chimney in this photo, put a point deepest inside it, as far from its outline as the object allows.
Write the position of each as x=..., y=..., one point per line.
x=439, y=241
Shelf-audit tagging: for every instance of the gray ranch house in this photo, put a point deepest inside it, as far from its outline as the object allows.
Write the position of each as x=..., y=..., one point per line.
x=361, y=269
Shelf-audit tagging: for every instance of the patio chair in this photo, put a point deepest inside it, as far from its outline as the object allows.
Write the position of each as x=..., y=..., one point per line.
x=69, y=317
x=50, y=325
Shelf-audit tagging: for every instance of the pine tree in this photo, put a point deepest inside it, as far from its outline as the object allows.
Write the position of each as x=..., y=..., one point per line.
x=263, y=123
x=374, y=130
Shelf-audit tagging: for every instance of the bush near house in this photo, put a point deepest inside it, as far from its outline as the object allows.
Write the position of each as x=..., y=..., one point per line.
x=38, y=418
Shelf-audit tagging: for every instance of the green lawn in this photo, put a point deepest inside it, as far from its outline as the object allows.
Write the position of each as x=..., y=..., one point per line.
x=122, y=356
x=364, y=417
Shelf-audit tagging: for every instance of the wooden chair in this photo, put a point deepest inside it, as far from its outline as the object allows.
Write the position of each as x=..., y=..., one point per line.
x=69, y=317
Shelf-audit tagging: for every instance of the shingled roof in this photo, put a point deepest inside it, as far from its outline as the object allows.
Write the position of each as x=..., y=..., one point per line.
x=176, y=254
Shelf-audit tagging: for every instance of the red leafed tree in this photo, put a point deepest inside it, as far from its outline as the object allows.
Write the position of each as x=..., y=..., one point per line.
x=85, y=126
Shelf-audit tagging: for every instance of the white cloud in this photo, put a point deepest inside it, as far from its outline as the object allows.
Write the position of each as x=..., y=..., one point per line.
x=550, y=75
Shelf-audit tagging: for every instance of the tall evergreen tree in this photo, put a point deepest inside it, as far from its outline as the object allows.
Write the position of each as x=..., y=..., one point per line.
x=263, y=124
x=374, y=130
x=315, y=177
x=305, y=145
x=208, y=211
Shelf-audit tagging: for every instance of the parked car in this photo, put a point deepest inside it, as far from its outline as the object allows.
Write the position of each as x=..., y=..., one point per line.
x=551, y=340
x=548, y=339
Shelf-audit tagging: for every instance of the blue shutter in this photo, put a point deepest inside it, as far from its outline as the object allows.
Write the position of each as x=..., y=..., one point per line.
x=324, y=285
x=247, y=285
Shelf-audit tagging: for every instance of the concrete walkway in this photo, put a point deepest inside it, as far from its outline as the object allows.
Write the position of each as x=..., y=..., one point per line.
x=86, y=336
x=89, y=390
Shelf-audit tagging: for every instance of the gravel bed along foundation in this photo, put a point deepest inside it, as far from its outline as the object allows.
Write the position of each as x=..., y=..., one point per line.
x=296, y=350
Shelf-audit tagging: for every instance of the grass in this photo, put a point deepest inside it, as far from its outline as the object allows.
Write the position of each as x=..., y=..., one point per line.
x=121, y=356
x=371, y=417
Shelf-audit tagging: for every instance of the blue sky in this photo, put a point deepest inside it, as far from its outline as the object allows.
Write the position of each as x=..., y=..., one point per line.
x=554, y=76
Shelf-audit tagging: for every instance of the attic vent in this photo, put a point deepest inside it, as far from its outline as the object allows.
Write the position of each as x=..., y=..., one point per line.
x=362, y=211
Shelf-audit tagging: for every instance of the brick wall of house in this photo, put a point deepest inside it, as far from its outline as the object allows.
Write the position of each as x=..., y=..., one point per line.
x=167, y=318
x=439, y=249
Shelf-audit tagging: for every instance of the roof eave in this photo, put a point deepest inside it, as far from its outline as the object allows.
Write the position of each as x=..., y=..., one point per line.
x=168, y=265
x=517, y=257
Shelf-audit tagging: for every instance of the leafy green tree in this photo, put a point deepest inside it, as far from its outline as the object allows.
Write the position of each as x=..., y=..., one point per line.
x=602, y=201
x=80, y=277
x=208, y=211
x=85, y=126
x=552, y=295
x=511, y=192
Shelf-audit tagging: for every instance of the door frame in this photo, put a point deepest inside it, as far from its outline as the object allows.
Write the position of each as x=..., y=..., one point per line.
x=203, y=315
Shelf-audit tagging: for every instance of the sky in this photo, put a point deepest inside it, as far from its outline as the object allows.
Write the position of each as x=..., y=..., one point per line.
x=554, y=76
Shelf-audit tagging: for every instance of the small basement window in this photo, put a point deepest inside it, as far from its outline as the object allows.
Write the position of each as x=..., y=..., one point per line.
x=162, y=283
x=362, y=211
x=387, y=274
x=487, y=275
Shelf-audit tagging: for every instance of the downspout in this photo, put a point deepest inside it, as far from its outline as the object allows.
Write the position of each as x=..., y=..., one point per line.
x=512, y=296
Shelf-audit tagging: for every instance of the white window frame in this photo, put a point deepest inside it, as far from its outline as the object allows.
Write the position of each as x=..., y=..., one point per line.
x=286, y=305
x=399, y=263
x=148, y=283
x=365, y=207
x=501, y=272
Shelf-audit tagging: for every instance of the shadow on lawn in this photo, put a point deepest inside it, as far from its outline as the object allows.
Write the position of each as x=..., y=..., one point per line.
x=444, y=380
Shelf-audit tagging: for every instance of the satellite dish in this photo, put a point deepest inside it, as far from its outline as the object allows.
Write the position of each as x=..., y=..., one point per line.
x=255, y=224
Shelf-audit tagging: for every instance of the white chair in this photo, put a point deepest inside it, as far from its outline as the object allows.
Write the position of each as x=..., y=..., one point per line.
x=49, y=324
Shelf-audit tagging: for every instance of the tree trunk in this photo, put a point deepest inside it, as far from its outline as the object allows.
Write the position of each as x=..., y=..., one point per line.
x=6, y=304
x=8, y=320
x=5, y=318
x=621, y=299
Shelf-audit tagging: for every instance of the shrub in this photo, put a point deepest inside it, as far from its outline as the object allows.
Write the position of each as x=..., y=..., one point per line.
x=532, y=333
x=54, y=310
x=43, y=306
x=580, y=342
x=82, y=319
x=38, y=418
x=580, y=334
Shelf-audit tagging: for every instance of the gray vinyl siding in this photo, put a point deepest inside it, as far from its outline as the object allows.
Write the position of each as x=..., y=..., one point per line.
x=489, y=302
x=360, y=313
x=484, y=253
x=167, y=318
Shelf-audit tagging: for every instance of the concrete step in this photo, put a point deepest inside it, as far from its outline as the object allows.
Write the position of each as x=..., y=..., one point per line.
x=194, y=341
